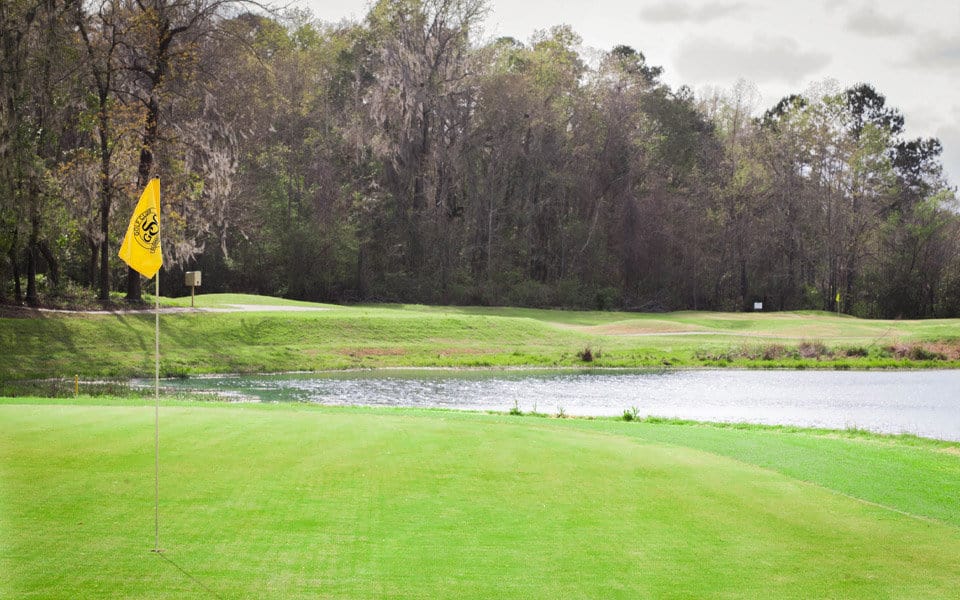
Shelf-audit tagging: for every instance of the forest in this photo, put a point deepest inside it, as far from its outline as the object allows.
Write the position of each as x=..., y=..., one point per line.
x=407, y=158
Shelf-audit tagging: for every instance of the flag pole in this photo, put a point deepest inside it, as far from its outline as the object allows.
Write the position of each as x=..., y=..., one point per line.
x=141, y=251
x=156, y=416
x=156, y=398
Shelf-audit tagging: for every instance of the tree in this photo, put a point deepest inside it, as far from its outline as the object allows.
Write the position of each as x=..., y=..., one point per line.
x=160, y=46
x=100, y=29
x=419, y=102
x=17, y=21
x=35, y=57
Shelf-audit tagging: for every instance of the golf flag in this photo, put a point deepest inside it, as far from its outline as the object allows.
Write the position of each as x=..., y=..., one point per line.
x=141, y=246
x=838, y=298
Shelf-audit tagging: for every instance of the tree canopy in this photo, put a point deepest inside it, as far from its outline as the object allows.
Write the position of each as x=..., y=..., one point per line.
x=405, y=158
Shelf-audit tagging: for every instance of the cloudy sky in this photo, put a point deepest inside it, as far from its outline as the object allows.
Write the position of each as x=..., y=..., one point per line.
x=909, y=51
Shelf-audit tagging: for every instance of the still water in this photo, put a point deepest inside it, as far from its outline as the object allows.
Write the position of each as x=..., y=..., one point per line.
x=925, y=403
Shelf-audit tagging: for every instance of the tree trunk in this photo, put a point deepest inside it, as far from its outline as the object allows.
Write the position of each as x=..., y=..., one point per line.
x=53, y=265
x=134, y=291
x=105, y=201
x=94, y=248
x=15, y=264
x=32, y=298
x=744, y=286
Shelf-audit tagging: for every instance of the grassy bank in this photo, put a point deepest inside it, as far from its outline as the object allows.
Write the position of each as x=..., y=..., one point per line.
x=301, y=501
x=49, y=344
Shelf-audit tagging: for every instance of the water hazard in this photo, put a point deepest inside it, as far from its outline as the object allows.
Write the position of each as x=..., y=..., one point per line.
x=925, y=403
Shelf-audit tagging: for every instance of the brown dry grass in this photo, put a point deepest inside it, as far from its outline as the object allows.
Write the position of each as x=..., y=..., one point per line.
x=926, y=350
x=365, y=352
x=460, y=351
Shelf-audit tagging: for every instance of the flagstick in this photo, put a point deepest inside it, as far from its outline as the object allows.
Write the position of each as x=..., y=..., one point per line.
x=156, y=417
x=140, y=249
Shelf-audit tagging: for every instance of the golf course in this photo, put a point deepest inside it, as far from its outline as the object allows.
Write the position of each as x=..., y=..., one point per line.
x=294, y=500
x=479, y=300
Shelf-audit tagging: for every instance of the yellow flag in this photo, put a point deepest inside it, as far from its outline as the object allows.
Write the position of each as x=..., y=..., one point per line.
x=141, y=246
x=838, y=297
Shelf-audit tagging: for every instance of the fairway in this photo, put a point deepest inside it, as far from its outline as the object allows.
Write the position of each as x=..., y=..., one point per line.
x=236, y=333
x=299, y=501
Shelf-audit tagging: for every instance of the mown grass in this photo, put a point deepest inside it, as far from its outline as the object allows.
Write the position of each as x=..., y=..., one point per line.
x=120, y=345
x=228, y=300
x=277, y=501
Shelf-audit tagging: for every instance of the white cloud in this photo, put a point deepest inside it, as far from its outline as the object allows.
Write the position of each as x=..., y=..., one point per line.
x=949, y=137
x=764, y=59
x=938, y=52
x=682, y=12
x=870, y=22
x=832, y=5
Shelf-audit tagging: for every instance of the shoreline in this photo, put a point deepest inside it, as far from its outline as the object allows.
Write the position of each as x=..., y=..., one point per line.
x=952, y=446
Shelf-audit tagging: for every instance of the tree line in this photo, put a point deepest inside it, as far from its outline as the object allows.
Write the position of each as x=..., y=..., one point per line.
x=404, y=158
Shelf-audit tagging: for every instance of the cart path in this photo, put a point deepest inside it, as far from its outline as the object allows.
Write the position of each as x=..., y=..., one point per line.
x=226, y=308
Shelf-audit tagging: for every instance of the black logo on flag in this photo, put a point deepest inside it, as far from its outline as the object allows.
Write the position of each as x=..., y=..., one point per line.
x=146, y=229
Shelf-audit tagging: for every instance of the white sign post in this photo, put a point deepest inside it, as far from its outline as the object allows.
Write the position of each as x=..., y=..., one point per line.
x=192, y=279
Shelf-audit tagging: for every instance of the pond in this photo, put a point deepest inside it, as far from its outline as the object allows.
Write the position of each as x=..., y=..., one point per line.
x=925, y=403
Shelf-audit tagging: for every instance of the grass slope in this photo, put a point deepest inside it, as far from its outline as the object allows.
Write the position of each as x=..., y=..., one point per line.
x=119, y=345
x=298, y=501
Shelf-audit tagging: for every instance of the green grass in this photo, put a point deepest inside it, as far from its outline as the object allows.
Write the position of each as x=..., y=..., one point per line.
x=277, y=501
x=228, y=300
x=121, y=345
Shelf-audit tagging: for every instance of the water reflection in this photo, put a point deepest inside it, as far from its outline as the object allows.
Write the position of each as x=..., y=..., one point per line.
x=920, y=402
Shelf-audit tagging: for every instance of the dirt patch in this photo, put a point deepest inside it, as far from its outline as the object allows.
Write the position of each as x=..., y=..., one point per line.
x=371, y=352
x=951, y=450
x=459, y=352
x=16, y=312
x=23, y=312
x=10, y=311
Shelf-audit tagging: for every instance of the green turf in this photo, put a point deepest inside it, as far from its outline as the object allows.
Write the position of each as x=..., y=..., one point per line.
x=228, y=300
x=120, y=345
x=297, y=501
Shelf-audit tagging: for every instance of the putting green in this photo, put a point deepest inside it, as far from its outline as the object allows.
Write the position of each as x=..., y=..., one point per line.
x=301, y=502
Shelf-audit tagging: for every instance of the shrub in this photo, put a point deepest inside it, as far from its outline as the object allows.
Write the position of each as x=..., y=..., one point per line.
x=921, y=353
x=585, y=355
x=64, y=388
x=607, y=298
x=530, y=293
x=774, y=351
x=813, y=350
x=913, y=352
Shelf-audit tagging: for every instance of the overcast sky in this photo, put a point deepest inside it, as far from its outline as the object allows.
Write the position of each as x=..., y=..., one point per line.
x=909, y=51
